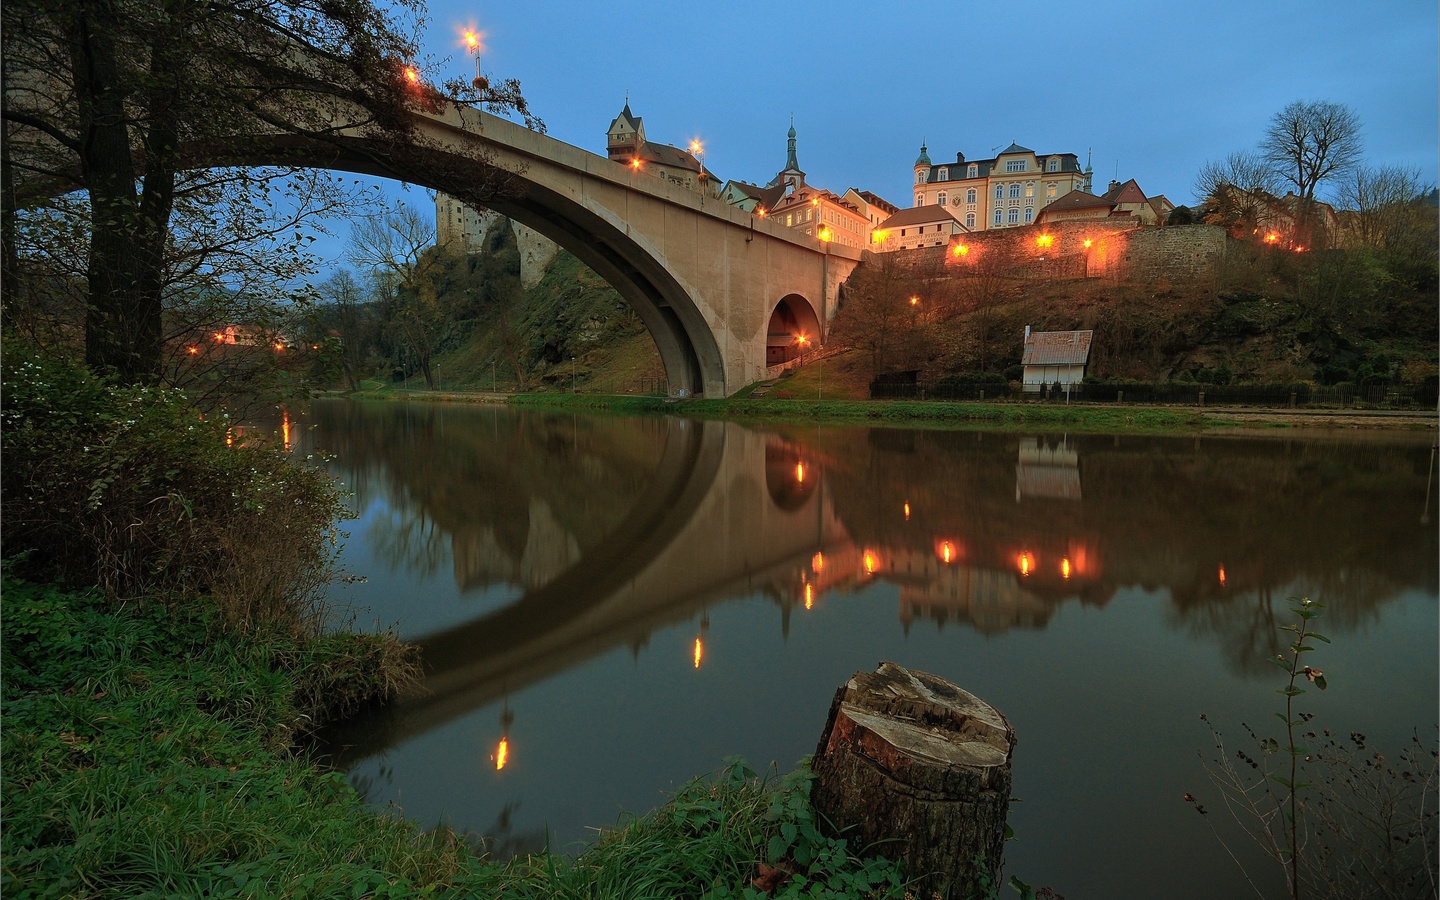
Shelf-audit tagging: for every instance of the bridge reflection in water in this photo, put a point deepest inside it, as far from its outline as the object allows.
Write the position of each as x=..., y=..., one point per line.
x=527, y=553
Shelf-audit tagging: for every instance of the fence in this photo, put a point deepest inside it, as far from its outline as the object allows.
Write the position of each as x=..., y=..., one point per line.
x=1383, y=396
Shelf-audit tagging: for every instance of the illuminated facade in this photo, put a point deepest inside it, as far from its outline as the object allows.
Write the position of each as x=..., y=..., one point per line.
x=919, y=226
x=1004, y=192
x=625, y=143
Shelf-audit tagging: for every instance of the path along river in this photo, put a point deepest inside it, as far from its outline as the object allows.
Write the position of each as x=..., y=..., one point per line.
x=610, y=606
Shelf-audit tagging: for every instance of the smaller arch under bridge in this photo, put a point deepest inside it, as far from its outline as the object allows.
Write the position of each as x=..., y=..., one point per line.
x=705, y=277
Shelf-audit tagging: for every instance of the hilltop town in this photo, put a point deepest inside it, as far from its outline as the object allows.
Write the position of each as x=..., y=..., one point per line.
x=1250, y=287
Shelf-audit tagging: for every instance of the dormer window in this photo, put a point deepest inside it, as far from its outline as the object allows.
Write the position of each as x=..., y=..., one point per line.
x=1014, y=165
x=944, y=174
x=1053, y=165
x=972, y=172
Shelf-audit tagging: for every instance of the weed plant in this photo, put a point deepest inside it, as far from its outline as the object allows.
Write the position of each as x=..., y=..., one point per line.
x=1339, y=818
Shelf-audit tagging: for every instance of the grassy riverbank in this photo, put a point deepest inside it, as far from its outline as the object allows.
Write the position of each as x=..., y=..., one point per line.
x=151, y=752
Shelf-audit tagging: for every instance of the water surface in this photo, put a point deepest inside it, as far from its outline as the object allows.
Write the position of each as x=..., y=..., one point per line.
x=625, y=602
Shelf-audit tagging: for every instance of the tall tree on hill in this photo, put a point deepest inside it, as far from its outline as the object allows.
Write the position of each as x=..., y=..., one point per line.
x=1308, y=143
x=118, y=97
x=1384, y=208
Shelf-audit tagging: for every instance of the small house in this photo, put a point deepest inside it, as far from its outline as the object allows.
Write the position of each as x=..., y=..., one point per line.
x=1053, y=357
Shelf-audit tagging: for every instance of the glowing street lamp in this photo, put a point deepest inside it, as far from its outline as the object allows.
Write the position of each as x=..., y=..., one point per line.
x=472, y=45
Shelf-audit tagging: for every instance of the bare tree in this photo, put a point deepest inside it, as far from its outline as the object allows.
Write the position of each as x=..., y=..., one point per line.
x=352, y=320
x=881, y=311
x=986, y=272
x=1236, y=192
x=397, y=249
x=1307, y=143
x=1382, y=205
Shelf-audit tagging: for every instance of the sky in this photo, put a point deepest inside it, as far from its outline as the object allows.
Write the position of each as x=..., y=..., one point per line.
x=1146, y=90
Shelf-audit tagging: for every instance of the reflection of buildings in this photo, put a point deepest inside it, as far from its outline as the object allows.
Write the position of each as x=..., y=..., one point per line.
x=1043, y=471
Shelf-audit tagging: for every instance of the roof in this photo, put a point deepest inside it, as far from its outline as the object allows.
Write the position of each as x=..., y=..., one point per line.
x=1129, y=192
x=666, y=155
x=628, y=117
x=1057, y=348
x=919, y=215
x=1077, y=199
x=876, y=200
x=924, y=158
x=1015, y=148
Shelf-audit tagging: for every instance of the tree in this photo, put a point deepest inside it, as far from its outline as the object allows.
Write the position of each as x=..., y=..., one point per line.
x=876, y=314
x=1384, y=208
x=1307, y=143
x=119, y=97
x=1236, y=192
x=397, y=249
x=352, y=321
x=986, y=272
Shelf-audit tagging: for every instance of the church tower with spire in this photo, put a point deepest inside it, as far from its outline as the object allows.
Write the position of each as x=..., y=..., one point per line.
x=791, y=176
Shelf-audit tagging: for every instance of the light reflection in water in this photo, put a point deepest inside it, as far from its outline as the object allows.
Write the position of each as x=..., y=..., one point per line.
x=724, y=532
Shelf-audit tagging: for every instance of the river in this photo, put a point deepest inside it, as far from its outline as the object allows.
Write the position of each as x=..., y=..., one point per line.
x=610, y=606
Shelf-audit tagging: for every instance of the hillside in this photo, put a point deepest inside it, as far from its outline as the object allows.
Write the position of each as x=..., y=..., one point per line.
x=1262, y=316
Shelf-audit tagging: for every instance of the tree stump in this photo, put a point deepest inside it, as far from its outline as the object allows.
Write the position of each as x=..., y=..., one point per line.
x=912, y=768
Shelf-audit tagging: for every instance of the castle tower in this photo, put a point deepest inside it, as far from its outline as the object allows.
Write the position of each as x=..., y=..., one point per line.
x=626, y=135
x=922, y=171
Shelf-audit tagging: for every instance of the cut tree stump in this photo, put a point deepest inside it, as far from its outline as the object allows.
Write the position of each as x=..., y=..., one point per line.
x=912, y=768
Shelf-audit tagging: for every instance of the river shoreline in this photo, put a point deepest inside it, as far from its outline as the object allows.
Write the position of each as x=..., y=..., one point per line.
x=1037, y=416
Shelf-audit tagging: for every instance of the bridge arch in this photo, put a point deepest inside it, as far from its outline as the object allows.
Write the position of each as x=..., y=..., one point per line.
x=792, y=330
x=701, y=274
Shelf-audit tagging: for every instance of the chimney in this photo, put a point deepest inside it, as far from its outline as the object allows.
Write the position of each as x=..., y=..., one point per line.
x=1027, y=334
x=1114, y=185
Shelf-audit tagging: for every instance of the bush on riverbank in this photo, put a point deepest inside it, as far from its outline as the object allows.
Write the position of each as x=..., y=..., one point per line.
x=129, y=489
x=148, y=752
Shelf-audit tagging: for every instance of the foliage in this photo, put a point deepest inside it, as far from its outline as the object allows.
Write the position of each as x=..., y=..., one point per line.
x=733, y=835
x=1339, y=822
x=129, y=489
x=118, y=99
x=147, y=753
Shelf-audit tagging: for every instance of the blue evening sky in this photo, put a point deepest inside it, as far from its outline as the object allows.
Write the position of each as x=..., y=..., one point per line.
x=1151, y=89
x=1155, y=88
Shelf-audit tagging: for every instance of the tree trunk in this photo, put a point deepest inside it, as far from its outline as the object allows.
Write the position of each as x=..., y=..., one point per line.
x=912, y=768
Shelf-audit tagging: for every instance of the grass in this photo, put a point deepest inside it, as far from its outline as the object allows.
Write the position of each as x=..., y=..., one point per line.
x=930, y=414
x=149, y=752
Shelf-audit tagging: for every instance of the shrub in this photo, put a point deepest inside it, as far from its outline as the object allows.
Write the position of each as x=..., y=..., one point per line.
x=128, y=488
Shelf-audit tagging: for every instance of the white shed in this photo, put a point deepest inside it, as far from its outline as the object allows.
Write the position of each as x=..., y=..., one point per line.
x=1055, y=356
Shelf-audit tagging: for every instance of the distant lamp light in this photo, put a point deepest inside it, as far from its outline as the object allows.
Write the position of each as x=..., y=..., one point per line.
x=1271, y=237
x=635, y=163
x=1088, y=242
x=1044, y=240
x=1027, y=564
x=411, y=75
x=914, y=301
x=826, y=234
x=960, y=250
x=870, y=561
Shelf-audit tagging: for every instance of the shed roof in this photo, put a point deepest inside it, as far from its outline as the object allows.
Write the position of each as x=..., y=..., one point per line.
x=919, y=215
x=1057, y=348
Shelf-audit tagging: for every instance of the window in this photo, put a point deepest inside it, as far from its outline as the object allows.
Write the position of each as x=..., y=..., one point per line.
x=919, y=199
x=920, y=177
x=969, y=220
x=1049, y=192
x=1014, y=165
x=944, y=174
x=902, y=232
x=1029, y=201
x=1029, y=188
x=1053, y=165
x=787, y=219
x=1029, y=215
x=1014, y=217
x=970, y=196
x=972, y=171
x=1015, y=191
x=999, y=216
x=941, y=199
x=999, y=192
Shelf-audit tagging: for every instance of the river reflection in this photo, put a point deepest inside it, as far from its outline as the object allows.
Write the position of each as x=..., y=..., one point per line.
x=607, y=606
